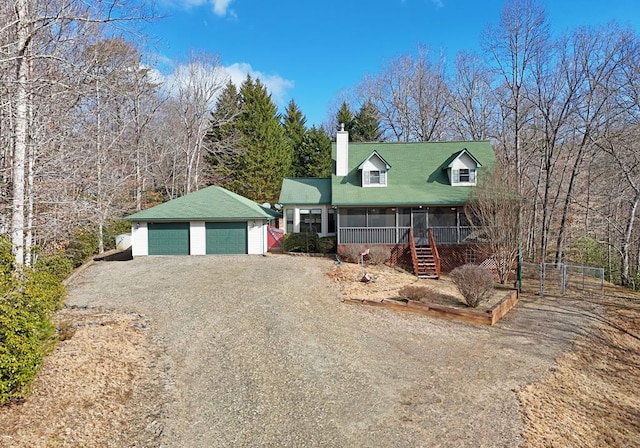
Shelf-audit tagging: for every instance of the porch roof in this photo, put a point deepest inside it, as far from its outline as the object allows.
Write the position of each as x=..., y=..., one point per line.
x=418, y=176
x=305, y=191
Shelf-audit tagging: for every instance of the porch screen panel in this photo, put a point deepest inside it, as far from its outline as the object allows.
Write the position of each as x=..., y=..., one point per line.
x=382, y=217
x=442, y=217
x=353, y=217
x=404, y=217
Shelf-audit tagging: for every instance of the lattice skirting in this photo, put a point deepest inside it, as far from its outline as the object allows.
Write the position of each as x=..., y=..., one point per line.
x=451, y=255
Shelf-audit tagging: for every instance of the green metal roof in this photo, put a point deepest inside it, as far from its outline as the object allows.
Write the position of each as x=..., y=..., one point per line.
x=418, y=175
x=305, y=191
x=208, y=204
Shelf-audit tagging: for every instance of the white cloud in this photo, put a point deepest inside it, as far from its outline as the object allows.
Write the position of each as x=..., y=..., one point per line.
x=276, y=85
x=219, y=7
x=438, y=3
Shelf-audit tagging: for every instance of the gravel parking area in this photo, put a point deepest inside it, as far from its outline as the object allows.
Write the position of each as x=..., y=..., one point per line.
x=261, y=352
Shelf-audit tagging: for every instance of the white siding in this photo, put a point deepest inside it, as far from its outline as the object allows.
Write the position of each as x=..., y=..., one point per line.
x=257, y=237
x=197, y=238
x=374, y=164
x=139, y=239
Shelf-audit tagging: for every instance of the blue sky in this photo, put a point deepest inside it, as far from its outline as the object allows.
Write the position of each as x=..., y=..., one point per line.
x=313, y=50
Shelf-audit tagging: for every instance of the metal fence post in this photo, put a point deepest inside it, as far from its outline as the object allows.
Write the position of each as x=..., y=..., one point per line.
x=541, y=275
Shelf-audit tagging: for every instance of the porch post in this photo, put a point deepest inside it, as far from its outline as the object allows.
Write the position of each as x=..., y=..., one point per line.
x=296, y=220
x=336, y=216
x=397, y=225
x=458, y=224
x=324, y=220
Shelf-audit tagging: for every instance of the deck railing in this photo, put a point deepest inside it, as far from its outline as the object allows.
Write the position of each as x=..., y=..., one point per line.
x=399, y=235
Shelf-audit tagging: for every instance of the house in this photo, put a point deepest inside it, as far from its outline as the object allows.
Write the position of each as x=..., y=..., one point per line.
x=208, y=221
x=406, y=196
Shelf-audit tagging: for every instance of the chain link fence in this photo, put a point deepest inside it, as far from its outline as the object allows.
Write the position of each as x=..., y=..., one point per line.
x=560, y=279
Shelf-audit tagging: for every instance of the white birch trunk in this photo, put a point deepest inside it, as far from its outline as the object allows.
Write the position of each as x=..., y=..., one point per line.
x=21, y=130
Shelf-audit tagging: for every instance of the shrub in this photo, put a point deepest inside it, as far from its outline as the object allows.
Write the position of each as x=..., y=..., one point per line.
x=351, y=252
x=475, y=283
x=379, y=254
x=21, y=349
x=112, y=230
x=327, y=245
x=84, y=244
x=27, y=305
x=306, y=242
x=85, y=241
x=413, y=292
x=59, y=266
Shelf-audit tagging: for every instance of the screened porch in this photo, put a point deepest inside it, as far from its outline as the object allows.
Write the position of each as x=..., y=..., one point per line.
x=390, y=226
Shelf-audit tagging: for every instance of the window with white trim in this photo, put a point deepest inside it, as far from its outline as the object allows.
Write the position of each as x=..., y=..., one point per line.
x=464, y=176
x=374, y=178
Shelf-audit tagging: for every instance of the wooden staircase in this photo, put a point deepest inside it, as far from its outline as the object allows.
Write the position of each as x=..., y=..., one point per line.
x=426, y=261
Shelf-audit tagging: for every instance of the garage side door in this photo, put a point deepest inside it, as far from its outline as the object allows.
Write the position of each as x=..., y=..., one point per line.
x=168, y=238
x=226, y=237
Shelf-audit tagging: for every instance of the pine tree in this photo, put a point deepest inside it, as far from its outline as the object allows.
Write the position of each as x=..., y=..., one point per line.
x=345, y=117
x=296, y=132
x=267, y=152
x=366, y=126
x=223, y=138
x=320, y=160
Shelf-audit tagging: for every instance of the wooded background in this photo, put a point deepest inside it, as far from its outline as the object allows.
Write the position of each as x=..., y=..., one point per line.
x=90, y=130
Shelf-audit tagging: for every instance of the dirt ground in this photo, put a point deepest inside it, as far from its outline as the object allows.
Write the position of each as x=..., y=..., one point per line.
x=386, y=282
x=592, y=397
x=106, y=385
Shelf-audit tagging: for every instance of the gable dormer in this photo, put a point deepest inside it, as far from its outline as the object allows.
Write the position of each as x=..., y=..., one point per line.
x=463, y=169
x=373, y=171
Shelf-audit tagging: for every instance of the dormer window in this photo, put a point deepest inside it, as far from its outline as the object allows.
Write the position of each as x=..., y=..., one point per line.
x=374, y=178
x=374, y=171
x=462, y=169
x=464, y=175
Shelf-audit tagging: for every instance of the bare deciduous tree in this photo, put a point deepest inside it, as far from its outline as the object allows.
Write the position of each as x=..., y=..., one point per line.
x=412, y=97
x=193, y=89
x=493, y=212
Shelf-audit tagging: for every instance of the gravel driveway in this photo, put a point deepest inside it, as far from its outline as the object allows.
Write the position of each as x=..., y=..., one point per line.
x=262, y=352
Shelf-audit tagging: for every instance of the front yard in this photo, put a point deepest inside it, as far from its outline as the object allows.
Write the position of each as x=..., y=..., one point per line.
x=224, y=351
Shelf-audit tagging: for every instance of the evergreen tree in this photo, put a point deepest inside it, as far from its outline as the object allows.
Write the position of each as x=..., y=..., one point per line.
x=267, y=153
x=223, y=138
x=296, y=132
x=345, y=116
x=320, y=161
x=366, y=126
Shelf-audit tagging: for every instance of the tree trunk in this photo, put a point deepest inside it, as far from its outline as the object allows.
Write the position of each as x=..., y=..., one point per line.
x=625, y=278
x=21, y=130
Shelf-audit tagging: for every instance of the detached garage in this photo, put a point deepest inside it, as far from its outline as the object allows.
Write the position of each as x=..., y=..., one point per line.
x=208, y=221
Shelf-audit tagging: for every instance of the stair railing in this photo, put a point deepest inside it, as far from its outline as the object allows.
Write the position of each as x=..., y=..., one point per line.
x=434, y=251
x=414, y=254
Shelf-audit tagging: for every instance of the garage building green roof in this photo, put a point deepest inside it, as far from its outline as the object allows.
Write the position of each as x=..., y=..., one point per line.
x=208, y=204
